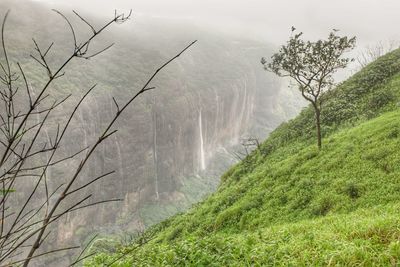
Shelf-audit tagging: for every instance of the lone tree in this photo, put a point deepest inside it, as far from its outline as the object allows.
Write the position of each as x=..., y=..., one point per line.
x=311, y=65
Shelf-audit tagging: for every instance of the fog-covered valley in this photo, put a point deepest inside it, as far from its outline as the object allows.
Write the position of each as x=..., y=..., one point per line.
x=174, y=143
x=199, y=133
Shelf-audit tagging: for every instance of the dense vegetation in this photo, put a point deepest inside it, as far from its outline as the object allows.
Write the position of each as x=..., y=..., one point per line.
x=287, y=203
x=180, y=93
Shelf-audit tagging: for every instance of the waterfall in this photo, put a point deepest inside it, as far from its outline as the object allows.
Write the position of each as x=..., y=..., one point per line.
x=154, y=117
x=233, y=121
x=202, y=156
x=48, y=173
x=240, y=121
x=82, y=122
x=243, y=104
x=120, y=158
x=217, y=120
x=44, y=129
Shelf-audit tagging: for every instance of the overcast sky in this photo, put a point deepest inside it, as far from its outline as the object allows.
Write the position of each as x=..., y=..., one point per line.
x=369, y=20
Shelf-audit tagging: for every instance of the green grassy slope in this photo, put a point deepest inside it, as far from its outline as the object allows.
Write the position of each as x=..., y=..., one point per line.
x=288, y=204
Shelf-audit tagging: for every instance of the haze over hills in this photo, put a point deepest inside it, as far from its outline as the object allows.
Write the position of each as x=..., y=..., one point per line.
x=266, y=20
x=216, y=163
x=177, y=140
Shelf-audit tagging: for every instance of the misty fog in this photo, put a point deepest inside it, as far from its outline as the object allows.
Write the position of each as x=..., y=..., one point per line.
x=203, y=124
x=267, y=20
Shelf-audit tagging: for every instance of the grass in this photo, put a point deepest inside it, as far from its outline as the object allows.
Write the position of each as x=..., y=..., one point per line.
x=367, y=237
x=289, y=204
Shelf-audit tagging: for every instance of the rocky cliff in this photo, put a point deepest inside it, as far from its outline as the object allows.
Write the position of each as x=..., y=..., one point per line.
x=176, y=140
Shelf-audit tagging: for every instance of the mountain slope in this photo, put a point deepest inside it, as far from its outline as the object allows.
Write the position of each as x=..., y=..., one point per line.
x=172, y=143
x=288, y=204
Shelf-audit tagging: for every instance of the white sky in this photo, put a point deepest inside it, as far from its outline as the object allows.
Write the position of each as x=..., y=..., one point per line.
x=268, y=20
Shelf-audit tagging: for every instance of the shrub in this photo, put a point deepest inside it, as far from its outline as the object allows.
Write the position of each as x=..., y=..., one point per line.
x=324, y=205
x=174, y=233
x=380, y=99
x=352, y=190
x=230, y=215
x=394, y=133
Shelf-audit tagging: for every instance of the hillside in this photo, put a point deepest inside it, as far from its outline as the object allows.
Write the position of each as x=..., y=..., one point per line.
x=174, y=142
x=287, y=204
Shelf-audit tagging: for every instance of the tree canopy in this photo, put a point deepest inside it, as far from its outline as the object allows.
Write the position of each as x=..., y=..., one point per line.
x=312, y=65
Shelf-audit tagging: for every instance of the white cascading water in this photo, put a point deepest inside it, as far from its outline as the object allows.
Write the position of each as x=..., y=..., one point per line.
x=82, y=121
x=202, y=155
x=217, y=120
x=155, y=158
x=39, y=121
x=244, y=103
x=120, y=158
x=240, y=121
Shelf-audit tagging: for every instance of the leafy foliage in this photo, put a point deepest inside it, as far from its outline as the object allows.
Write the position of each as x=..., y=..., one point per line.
x=311, y=65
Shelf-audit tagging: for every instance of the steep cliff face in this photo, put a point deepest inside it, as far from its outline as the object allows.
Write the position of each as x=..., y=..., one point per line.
x=173, y=137
x=185, y=128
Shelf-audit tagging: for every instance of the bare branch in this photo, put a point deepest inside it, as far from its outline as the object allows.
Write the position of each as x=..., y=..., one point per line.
x=85, y=21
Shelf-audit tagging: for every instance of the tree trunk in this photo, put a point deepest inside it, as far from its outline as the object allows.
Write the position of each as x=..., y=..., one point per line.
x=318, y=127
